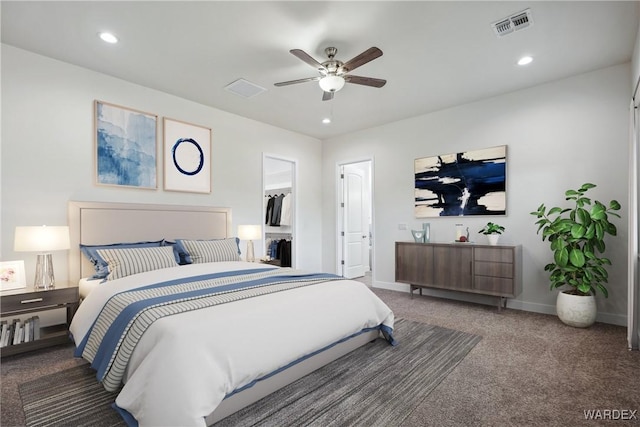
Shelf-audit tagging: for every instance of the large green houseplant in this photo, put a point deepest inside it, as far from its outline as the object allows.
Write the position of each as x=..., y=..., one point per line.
x=576, y=237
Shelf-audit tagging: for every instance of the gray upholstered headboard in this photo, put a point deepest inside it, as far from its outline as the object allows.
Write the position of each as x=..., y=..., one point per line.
x=95, y=223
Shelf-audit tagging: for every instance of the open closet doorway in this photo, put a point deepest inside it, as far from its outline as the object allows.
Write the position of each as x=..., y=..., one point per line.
x=279, y=210
x=355, y=220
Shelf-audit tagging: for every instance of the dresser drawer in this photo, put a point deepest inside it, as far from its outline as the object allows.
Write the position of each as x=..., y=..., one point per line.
x=11, y=304
x=494, y=286
x=493, y=269
x=493, y=254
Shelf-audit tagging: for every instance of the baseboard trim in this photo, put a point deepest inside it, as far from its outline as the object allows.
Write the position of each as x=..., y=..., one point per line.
x=610, y=318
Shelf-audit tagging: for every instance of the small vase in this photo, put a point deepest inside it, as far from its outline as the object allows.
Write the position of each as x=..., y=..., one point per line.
x=427, y=231
x=493, y=239
x=418, y=235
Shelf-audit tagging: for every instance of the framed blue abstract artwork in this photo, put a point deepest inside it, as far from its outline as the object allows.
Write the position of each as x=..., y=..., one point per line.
x=461, y=184
x=126, y=147
x=187, y=157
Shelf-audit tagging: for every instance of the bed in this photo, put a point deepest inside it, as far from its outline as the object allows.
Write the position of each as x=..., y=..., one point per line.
x=234, y=332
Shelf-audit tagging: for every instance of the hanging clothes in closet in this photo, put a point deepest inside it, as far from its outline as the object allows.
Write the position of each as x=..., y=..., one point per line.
x=280, y=249
x=269, y=213
x=285, y=211
x=284, y=250
x=278, y=211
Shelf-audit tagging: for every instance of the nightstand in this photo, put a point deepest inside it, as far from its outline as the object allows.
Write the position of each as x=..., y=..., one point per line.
x=18, y=302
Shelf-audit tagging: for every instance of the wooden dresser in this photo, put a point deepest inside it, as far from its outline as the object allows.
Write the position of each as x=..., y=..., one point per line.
x=463, y=267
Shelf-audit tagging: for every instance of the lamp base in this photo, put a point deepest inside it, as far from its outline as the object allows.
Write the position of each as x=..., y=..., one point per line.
x=250, y=255
x=44, y=272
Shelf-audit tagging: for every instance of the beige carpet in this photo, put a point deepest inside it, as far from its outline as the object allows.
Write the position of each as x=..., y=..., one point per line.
x=528, y=370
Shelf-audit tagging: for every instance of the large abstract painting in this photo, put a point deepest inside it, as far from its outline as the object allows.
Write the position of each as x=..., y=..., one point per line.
x=461, y=184
x=187, y=157
x=125, y=146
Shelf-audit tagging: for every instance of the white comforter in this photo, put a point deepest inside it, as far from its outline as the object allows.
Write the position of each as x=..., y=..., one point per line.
x=184, y=365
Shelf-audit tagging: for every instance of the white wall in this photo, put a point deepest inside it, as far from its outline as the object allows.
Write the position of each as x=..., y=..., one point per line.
x=48, y=146
x=635, y=59
x=559, y=136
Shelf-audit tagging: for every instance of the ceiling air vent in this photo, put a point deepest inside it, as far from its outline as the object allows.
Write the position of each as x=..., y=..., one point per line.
x=244, y=88
x=513, y=23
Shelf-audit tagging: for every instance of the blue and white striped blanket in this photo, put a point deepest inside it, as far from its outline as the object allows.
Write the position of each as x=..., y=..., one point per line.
x=127, y=315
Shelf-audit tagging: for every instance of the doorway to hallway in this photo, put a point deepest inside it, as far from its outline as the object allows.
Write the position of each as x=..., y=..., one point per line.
x=355, y=219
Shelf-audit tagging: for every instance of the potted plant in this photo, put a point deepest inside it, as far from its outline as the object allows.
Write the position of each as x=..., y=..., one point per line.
x=493, y=232
x=576, y=237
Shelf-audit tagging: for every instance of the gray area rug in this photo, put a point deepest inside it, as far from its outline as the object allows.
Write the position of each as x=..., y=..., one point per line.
x=72, y=397
x=375, y=385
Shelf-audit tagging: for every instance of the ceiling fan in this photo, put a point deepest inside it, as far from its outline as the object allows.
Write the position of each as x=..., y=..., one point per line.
x=334, y=73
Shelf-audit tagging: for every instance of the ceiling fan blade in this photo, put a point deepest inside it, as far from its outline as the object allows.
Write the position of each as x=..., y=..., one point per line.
x=366, y=81
x=304, y=56
x=366, y=56
x=292, y=82
x=327, y=96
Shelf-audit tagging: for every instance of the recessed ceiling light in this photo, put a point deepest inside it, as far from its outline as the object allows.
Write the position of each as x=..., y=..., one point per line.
x=108, y=37
x=326, y=121
x=525, y=60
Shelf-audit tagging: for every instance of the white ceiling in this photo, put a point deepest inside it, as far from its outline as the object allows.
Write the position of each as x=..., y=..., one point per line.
x=436, y=54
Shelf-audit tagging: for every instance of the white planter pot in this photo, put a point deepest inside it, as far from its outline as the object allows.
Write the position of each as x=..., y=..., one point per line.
x=576, y=310
x=493, y=239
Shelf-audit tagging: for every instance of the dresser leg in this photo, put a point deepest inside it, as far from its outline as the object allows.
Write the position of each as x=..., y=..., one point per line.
x=502, y=302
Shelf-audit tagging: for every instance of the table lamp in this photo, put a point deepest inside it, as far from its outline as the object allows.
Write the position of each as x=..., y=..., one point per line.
x=42, y=239
x=250, y=233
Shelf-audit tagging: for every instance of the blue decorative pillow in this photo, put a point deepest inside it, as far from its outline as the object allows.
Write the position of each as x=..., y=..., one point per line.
x=101, y=266
x=200, y=251
x=178, y=252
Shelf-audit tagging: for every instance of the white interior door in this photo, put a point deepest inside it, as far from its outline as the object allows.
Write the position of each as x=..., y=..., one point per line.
x=356, y=224
x=633, y=300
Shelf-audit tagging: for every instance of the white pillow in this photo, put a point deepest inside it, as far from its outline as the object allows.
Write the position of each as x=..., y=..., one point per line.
x=125, y=262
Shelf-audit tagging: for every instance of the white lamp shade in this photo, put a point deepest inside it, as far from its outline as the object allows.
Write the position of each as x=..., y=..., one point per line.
x=331, y=83
x=41, y=238
x=249, y=232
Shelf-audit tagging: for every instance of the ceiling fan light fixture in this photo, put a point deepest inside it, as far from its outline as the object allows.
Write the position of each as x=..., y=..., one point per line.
x=331, y=83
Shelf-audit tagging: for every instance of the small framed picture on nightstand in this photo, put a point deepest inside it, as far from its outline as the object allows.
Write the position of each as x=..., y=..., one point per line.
x=12, y=275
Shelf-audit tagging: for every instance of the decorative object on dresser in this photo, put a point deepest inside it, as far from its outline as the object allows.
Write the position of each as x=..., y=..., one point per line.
x=418, y=236
x=43, y=239
x=125, y=146
x=250, y=233
x=479, y=269
x=462, y=233
x=12, y=275
x=576, y=237
x=27, y=335
x=187, y=157
x=492, y=231
x=427, y=232
x=459, y=184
